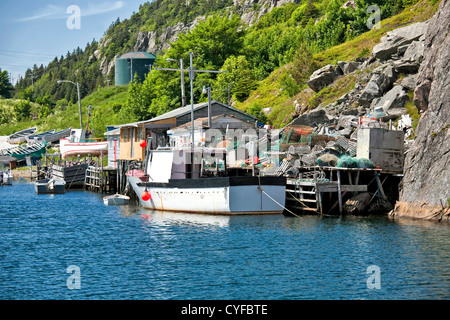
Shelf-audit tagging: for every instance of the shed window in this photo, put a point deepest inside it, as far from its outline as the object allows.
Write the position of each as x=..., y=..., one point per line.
x=125, y=135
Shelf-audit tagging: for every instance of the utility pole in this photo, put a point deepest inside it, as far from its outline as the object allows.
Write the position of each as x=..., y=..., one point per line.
x=192, y=72
x=183, y=96
x=79, y=98
x=208, y=91
x=32, y=77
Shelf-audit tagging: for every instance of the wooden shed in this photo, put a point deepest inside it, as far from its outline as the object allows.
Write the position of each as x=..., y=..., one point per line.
x=132, y=134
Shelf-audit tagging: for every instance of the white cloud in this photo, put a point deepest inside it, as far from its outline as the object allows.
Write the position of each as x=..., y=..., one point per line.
x=100, y=8
x=57, y=12
x=49, y=12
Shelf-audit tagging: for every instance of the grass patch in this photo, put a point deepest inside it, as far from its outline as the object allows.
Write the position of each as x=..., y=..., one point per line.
x=333, y=92
x=363, y=44
x=413, y=112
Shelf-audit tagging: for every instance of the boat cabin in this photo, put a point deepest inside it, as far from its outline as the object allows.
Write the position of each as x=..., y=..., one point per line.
x=165, y=164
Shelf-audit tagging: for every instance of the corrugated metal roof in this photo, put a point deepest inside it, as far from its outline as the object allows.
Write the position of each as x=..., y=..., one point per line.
x=180, y=112
x=137, y=55
x=112, y=132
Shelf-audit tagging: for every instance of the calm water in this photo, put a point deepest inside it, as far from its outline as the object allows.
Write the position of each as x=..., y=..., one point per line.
x=129, y=253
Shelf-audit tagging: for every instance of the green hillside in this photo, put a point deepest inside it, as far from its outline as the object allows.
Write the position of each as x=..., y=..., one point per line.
x=106, y=102
x=273, y=92
x=267, y=63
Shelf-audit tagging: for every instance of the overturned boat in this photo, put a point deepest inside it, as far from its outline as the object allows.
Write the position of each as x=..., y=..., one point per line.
x=38, y=137
x=21, y=136
x=32, y=150
x=51, y=136
x=172, y=183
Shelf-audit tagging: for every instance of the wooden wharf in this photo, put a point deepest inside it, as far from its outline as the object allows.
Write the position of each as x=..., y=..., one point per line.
x=324, y=190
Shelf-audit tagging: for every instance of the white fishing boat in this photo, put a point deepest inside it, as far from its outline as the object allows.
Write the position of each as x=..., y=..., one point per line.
x=45, y=186
x=6, y=178
x=74, y=145
x=171, y=183
x=116, y=199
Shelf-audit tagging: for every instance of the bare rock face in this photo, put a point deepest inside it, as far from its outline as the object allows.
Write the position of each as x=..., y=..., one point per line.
x=426, y=179
x=393, y=102
x=398, y=38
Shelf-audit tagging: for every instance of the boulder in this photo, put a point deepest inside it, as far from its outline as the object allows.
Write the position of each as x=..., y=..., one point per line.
x=346, y=132
x=312, y=118
x=371, y=91
x=347, y=121
x=351, y=67
x=324, y=77
x=409, y=82
x=393, y=102
x=397, y=38
x=382, y=80
x=414, y=51
x=406, y=66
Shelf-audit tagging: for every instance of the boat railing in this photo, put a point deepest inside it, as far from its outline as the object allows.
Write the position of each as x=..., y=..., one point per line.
x=92, y=140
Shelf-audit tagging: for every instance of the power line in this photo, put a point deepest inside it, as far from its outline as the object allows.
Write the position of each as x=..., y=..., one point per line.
x=11, y=55
x=29, y=53
x=14, y=65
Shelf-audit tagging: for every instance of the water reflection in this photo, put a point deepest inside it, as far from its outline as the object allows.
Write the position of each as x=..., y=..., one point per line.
x=202, y=220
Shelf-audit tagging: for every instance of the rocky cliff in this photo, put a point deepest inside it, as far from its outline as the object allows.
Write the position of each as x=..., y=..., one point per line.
x=413, y=60
x=426, y=184
x=250, y=12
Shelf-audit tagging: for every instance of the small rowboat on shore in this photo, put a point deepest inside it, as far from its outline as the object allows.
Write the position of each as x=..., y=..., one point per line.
x=21, y=136
x=116, y=199
x=38, y=136
x=55, y=136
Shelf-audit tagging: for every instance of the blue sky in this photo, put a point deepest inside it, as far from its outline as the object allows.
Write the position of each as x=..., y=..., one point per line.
x=36, y=31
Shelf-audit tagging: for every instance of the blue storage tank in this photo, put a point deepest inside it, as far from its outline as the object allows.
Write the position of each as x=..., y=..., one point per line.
x=131, y=63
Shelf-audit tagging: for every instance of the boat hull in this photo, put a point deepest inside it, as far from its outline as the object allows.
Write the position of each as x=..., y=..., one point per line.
x=21, y=136
x=56, y=136
x=116, y=199
x=39, y=137
x=6, y=179
x=69, y=148
x=46, y=186
x=226, y=196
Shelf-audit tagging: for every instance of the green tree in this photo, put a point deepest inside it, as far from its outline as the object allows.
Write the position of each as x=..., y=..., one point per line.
x=5, y=85
x=22, y=110
x=303, y=65
x=240, y=77
x=212, y=41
